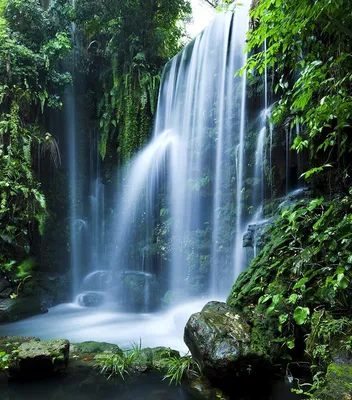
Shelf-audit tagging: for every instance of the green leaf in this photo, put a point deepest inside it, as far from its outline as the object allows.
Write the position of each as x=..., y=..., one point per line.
x=301, y=283
x=301, y=314
x=290, y=344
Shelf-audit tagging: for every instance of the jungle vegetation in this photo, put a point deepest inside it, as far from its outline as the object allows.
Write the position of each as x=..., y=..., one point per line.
x=297, y=291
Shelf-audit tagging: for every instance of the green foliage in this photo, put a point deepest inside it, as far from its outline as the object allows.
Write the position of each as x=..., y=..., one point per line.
x=32, y=41
x=179, y=367
x=308, y=44
x=130, y=41
x=119, y=363
x=4, y=361
x=301, y=282
x=114, y=364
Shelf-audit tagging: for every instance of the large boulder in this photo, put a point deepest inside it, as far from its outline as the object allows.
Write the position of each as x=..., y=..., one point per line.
x=35, y=358
x=14, y=309
x=219, y=339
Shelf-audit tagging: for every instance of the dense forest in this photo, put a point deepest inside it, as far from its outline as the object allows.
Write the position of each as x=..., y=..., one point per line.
x=87, y=89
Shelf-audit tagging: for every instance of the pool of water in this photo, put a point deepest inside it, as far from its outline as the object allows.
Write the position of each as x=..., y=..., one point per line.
x=87, y=384
x=104, y=324
x=78, y=324
x=80, y=383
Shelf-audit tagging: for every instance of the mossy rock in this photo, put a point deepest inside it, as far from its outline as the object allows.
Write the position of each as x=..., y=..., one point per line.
x=338, y=383
x=10, y=343
x=93, y=347
x=12, y=310
x=36, y=358
x=152, y=358
x=219, y=338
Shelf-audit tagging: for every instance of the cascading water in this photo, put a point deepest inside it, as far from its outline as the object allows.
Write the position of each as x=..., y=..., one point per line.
x=74, y=189
x=186, y=174
x=86, y=191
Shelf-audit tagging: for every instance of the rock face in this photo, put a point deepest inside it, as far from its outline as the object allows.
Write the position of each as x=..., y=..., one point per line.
x=219, y=339
x=14, y=309
x=35, y=358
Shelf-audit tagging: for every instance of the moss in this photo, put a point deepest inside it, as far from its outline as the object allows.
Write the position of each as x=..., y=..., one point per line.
x=93, y=347
x=152, y=357
x=338, y=383
x=10, y=343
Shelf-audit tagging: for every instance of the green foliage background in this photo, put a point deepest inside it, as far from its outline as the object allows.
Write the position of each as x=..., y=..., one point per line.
x=128, y=43
x=32, y=41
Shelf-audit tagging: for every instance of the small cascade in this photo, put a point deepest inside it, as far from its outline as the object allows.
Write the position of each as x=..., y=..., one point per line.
x=86, y=191
x=73, y=154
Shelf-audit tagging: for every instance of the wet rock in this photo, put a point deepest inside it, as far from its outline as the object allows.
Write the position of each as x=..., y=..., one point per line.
x=14, y=309
x=35, y=358
x=338, y=383
x=219, y=339
x=93, y=347
x=97, y=281
x=10, y=343
x=91, y=299
x=152, y=358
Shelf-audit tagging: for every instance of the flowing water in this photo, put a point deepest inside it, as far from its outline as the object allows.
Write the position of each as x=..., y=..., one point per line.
x=190, y=163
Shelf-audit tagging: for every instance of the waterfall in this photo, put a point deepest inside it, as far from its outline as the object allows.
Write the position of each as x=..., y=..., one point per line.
x=74, y=188
x=86, y=191
x=182, y=181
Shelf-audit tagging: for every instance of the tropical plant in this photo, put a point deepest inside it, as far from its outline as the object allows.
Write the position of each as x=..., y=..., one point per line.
x=32, y=41
x=308, y=45
x=131, y=42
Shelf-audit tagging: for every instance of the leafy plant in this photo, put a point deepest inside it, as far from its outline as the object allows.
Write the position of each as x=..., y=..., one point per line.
x=179, y=367
x=301, y=283
x=307, y=45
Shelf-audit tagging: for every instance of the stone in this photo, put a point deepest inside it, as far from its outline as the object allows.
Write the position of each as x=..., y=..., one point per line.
x=219, y=339
x=93, y=347
x=91, y=299
x=14, y=309
x=35, y=358
x=338, y=384
x=10, y=343
x=152, y=358
x=97, y=281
